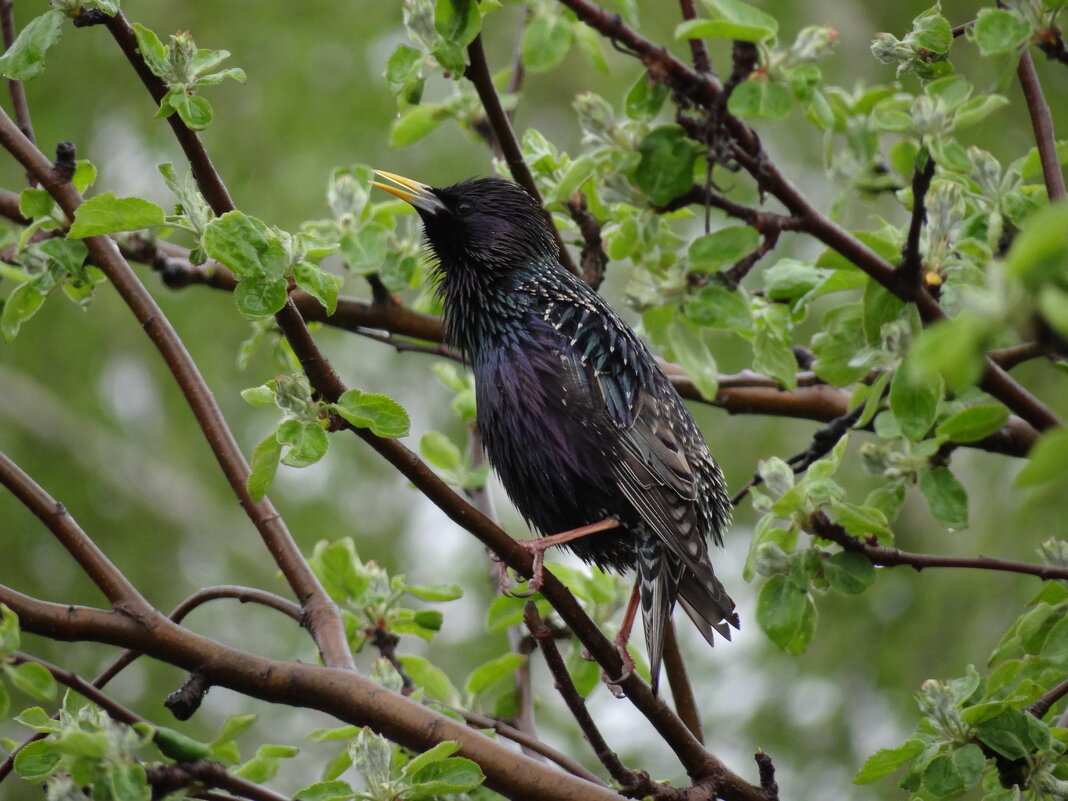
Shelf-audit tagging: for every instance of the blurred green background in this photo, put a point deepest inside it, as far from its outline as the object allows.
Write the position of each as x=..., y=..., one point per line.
x=88, y=410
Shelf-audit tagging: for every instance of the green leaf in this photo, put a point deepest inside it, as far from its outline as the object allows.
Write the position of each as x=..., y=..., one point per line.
x=452, y=775
x=435, y=592
x=402, y=67
x=946, y=497
x=998, y=31
x=1048, y=458
x=415, y=123
x=546, y=42
x=665, y=170
x=881, y=306
x=336, y=790
x=717, y=306
x=861, y=521
x=9, y=630
x=1040, y=252
x=440, y=451
x=731, y=19
x=264, y=466
x=849, y=573
x=458, y=21
x=791, y=279
x=38, y=760
x=242, y=244
x=383, y=415
x=38, y=720
x=1055, y=647
x=774, y=357
x=941, y=777
x=25, y=58
x=696, y=359
x=887, y=760
x=153, y=51
x=259, y=296
x=307, y=441
x=21, y=305
x=106, y=214
x=781, y=610
x=507, y=610
x=1006, y=734
x=974, y=423
x=34, y=679
x=725, y=246
x=439, y=752
x=431, y=678
x=489, y=673
x=645, y=98
x=761, y=98
x=35, y=202
x=914, y=402
x=180, y=747
x=194, y=110
x=954, y=349
x=318, y=283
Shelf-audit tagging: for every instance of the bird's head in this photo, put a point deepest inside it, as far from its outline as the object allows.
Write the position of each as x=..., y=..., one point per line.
x=487, y=226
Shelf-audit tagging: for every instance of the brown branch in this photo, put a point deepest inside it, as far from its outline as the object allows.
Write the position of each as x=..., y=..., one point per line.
x=1040, y=707
x=883, y=556
x=679, y=682
x=343, y=694
x=636, y=784
x=18, y=91
x=166, y=779
x=121, y=594
x=1042, y=123
x=528, y=743
x=324, y=620
x=207, y=177
x=478, y=72
x=593, y=259
x=910, y=271
x=698, y=50
x=749, y=152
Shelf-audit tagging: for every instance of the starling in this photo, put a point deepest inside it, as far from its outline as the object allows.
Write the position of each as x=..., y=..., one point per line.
x=587, y=434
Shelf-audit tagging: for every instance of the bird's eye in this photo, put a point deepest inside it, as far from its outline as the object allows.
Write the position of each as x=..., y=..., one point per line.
x=464, y=207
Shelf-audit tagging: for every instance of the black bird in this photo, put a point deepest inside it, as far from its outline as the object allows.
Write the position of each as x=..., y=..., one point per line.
x=578, y=419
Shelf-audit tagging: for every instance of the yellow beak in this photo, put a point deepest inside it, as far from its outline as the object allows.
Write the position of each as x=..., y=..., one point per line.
x=419, y=195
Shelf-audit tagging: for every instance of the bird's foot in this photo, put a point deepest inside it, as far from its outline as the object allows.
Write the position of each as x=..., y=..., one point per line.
x=537, y=548
x=614, y=685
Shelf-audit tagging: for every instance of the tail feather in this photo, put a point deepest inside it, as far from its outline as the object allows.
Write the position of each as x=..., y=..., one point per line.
x=707, y=603
x=659, y=572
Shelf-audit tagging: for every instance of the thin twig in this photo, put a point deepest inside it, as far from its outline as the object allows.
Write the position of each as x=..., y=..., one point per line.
x=679, y=682
x=528, y=743
x=881, y=555
x=109, y=579
x=18, y=91
x=910, y=271
x=479, y=74
x=1040, y=707
x=698, y=50
x=1042, y=123
x=748, y=151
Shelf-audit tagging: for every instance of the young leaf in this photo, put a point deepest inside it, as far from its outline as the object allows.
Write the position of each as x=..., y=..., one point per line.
x=887, y=760
x=440, y=451
x=546, y=42
x=458, y=21
x=493, y=671
x=666, y=167
x=25, y=58
x=974, y=423
x=997, y=30
x=34, y=680
x=38, y=760
x=695, y=358
x=106, y=214
x=914, y=402
x=1048, y=459
x=781, y=609
x=725, y=246
x=383, y=415
x=264, y=467
x=946, y=497
x=732, y=19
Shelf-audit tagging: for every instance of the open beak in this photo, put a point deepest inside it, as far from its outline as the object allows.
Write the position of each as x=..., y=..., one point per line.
x=419, y=195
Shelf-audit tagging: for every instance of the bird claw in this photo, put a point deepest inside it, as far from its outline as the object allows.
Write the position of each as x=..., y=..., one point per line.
x=614, y=684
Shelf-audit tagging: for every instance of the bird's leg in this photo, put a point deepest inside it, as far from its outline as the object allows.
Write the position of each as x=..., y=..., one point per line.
x=538, y=547
x=622, y=639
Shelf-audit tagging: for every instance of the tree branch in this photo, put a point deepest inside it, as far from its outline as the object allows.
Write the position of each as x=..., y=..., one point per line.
x=822, y=526
x=324, y=621
x=18, y=91
x=910, y=271
x=1042, y=123
x=343, y=694
x=121, y=594
x=679, y=682
x=478, y=72
x=705, y=91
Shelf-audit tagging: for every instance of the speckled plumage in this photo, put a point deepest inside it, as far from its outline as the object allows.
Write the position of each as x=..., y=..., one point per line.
x=578, y=419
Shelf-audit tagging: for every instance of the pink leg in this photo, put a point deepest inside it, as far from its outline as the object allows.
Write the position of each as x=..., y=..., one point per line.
x=538, y=547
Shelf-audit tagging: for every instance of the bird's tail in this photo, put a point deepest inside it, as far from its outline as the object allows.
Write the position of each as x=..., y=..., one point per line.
x=659, y=572
x=706, y=601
